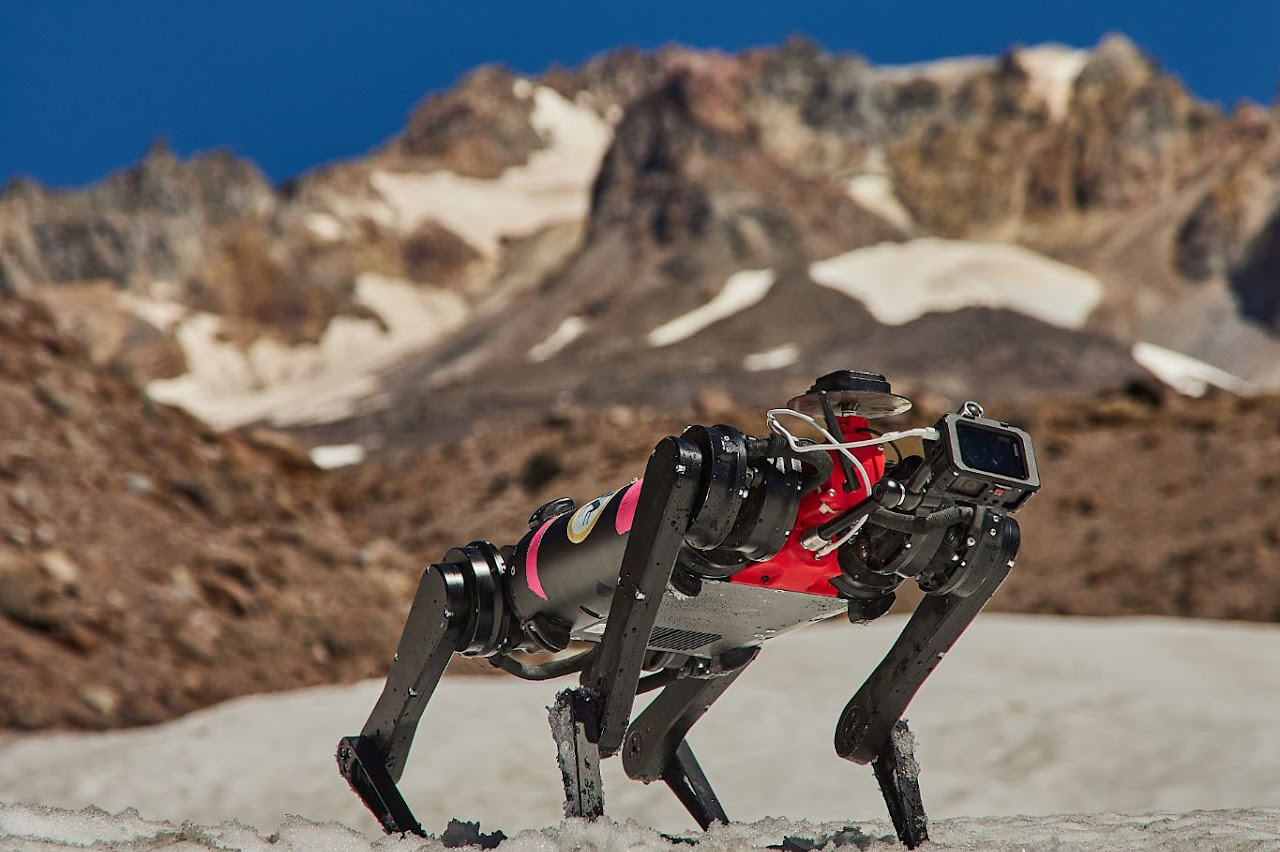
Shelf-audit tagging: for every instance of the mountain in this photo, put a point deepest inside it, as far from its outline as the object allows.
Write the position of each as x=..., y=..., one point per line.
x=1050, y=222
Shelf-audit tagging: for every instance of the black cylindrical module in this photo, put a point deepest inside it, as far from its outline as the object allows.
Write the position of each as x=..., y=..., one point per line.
x=567, y=567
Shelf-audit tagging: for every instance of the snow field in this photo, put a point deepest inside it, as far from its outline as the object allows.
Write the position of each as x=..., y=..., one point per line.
x=742, y=290
x=569, y=330
x=1187, y=375
x=875, y=192
x=901, y=282
x=1027, y=715
x=553, y=186
x=228, y=385
x=27, y=828
x=1052, y=70
x=772, y=359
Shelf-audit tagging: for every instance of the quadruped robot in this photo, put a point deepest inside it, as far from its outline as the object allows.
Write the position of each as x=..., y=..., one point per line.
x=679, y=578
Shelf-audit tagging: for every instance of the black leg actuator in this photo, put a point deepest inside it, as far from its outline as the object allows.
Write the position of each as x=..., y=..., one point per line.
x=866, y=732
x=589, y=722
x=656, y=748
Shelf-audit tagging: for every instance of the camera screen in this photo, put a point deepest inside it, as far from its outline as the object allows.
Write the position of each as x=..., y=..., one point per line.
x=990, y=451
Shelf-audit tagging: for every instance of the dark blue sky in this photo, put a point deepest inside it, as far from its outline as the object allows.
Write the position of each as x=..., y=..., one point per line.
x=85, y=86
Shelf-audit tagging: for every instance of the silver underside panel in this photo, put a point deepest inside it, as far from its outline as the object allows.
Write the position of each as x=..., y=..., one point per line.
x=727, y=615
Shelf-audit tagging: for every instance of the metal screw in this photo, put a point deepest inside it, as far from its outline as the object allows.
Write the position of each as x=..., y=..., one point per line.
x=970, y=541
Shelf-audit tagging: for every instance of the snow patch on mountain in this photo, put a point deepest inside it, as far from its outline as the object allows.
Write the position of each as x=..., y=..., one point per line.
x=772, y=359
x=948, y=72
x=323, y=226
x=901, y=282
x=332, y=456
x=553, y=186
x=1052, y=69
x=875, y=192
x=1187, y=375
x=569, y=330
x=742, y=290
x=229, y=385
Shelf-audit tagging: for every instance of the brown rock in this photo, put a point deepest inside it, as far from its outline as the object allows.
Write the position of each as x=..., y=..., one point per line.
x=199, y=634
x=60, y=569
x=34, y=592
x=100, y=697
x=63, y=400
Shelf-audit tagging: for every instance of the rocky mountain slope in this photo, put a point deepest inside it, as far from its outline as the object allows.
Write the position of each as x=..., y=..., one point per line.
x=653, y=223
x=149, y=565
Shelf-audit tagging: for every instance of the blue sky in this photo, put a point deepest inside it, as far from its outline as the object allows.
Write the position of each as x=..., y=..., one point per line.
x=85, y=86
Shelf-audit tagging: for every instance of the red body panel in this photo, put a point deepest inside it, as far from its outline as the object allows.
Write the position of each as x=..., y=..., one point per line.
x=796, y=569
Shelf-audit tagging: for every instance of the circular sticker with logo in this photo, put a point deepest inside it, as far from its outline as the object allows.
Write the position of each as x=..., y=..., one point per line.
x=583, y=520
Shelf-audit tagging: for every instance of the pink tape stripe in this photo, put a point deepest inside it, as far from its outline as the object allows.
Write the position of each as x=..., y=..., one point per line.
x=627, y=508
x=531, y=561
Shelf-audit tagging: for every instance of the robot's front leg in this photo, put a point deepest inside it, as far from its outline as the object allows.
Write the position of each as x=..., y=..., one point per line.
x=866, y=732
x=589, y=722
x=655, y=747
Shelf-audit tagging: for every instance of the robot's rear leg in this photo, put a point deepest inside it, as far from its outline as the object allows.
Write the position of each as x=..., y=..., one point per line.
x=655, y=747
x=373, y=762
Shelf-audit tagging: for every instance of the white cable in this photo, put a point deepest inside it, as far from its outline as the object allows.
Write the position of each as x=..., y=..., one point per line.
x=842, y=539
x=771, y=417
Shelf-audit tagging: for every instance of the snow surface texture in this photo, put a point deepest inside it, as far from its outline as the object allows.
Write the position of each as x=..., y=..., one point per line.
x=229, y=385
x=1185, y=374
x=901, y=282
x=1028, y=715
x=742, y=290
x=28, y=828
x=553, y=186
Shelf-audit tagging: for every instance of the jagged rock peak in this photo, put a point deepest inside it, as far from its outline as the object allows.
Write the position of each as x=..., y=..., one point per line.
x=1117, y=59
x=478, y=128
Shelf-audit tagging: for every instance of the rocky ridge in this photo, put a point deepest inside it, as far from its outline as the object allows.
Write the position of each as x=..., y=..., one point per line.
x=519, y=228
